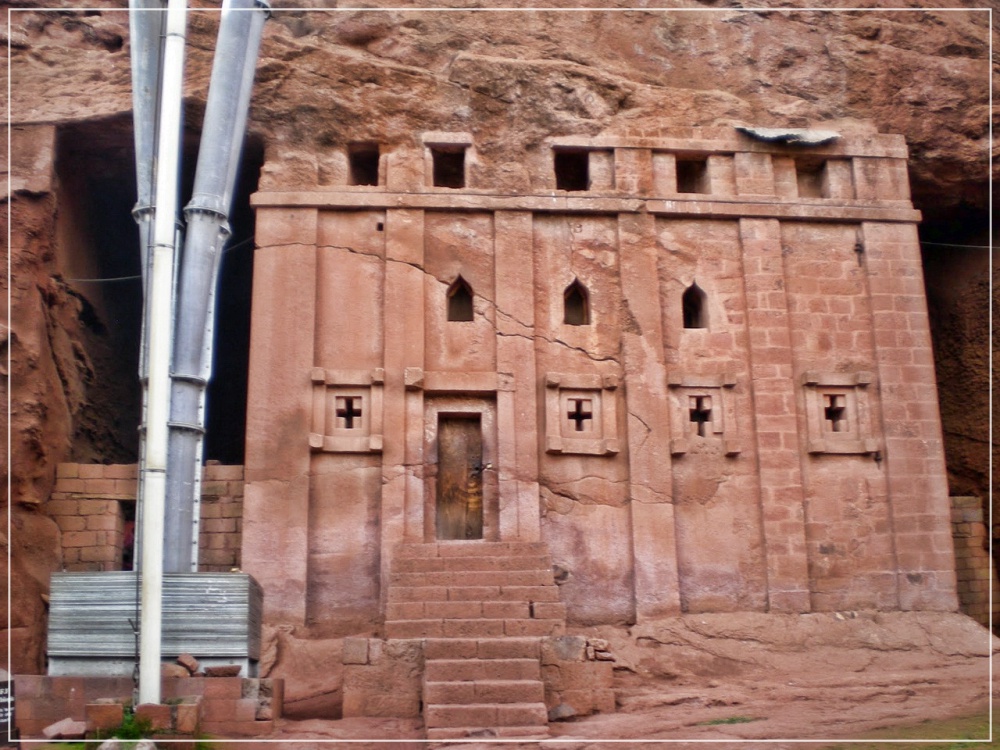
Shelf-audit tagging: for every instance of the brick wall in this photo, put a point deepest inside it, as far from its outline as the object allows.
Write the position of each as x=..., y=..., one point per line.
x=973, y=565
x=221, y=533
x=91, y=502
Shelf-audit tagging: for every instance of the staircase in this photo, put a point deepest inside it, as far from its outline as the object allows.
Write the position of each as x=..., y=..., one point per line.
x=482, y=608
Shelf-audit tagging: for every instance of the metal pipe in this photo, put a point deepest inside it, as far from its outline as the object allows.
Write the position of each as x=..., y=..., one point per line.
x=226, y=111
x=159, y=315
x=146, y=19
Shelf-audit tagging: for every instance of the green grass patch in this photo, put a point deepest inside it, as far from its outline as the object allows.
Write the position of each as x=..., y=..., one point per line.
x=727, y=720
x=959, y=732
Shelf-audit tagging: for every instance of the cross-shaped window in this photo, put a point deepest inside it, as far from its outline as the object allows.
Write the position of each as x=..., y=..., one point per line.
x=349, y=409
x=700, y=413
x=834, y=412
x=580, y=412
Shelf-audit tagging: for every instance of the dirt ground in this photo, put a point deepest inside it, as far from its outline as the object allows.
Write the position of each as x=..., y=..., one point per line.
x=746, y=680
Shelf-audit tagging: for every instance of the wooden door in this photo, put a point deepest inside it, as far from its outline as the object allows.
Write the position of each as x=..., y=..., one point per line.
x=460, y=478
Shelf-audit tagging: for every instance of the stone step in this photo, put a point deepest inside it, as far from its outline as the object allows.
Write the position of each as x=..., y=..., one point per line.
x=485, y=715
x=487, y=733
x=474, y=628
x=444, y=564
x=470, y=670
x=484, y=691
x=451, y=578
x=472, y=610
x=418, y=593
x=462, y=610
x=470, y=548
x=482, y=648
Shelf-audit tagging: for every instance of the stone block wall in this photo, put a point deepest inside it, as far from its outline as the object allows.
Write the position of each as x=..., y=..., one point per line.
x=973, y=565
x=92, y=505
x=226, y=706
x=738, y=414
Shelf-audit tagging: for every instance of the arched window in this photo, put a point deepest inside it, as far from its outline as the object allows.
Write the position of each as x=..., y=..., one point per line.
x=460, y=301
x=695, y=304
x=576, y=305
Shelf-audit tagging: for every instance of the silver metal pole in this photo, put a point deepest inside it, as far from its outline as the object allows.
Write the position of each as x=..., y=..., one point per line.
x=240, y=30
x=159, y=311
x=146, y=18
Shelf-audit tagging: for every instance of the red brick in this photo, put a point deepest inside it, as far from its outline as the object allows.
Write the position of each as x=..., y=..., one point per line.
x=103, y=523
x=522, y=714
x=158, y=714
x=451, y=648
x=91, y=471
x=98, y=507
x=472, y=628
x=449, y=692
x=71, y=523
x=460, y=716
x=101, y=486
x=455, y=610
x=223, y=687
x=509, y=691
x=104, y=716
x=414, y=629
x=121, y=471
x=505, y=610
x=72, y=485
x=67, y=471
x=62, y=507
x=79, y=539
x=472, y=593
x=126, y=488
x=103, y=554
x=404, y=611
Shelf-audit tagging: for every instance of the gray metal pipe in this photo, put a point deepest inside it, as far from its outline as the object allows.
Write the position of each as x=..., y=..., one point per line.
x=146, y=18
x=222, y=137
x=146, y=22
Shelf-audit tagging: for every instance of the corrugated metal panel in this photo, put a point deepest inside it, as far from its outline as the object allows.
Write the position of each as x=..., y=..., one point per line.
x=204, y=614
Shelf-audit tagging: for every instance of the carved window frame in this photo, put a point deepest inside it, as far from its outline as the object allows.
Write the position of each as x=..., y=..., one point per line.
x=719, y=388
x=858, y=437
x=601, y=438
x=327, y=436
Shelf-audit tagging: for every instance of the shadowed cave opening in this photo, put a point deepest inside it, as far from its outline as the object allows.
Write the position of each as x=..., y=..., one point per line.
x=97, y=250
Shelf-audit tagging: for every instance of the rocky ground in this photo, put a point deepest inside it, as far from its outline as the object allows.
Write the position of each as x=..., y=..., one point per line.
x=728, y=678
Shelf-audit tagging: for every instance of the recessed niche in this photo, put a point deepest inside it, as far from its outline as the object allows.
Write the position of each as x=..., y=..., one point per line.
x=576, y=305
x=449, y=166
x=692, y=175
x=839, y=412
x=460, y=307
x=810, y=175
x=572, y=170
x=581, y=414
x=703, y=415
x=347, y=411
x=362, y=159
x=694, y=305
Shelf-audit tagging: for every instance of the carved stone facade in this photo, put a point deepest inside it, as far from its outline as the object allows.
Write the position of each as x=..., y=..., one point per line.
x=697, y=367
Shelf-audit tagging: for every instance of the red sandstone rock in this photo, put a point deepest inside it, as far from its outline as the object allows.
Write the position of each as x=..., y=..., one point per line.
x=174, y=670
x=188, y=662
x=66, y=729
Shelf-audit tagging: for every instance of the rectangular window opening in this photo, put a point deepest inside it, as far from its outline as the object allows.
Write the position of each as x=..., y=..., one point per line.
x=362, y=161
x=449, y=166
x=692, y=175
x=810, y=174
x=572, y=170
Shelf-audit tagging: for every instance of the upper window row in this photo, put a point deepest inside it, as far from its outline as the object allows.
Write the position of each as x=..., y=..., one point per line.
x=573, y=170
